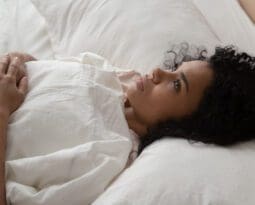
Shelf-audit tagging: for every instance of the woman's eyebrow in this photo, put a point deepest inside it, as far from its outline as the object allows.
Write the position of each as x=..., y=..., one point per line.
x=183, y=77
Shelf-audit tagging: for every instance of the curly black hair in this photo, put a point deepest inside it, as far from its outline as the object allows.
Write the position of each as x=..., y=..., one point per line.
x=226, y=113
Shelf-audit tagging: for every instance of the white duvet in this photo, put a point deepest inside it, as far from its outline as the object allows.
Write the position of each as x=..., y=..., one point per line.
x=69, y=138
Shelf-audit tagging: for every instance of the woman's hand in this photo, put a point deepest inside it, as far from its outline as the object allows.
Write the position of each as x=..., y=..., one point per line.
x=12, y=89
x=23, y=58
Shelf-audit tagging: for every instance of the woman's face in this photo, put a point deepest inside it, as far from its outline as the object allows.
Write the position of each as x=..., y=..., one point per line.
x=164, y=94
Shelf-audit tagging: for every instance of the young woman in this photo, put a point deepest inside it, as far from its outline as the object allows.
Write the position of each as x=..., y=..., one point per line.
x=208, y=99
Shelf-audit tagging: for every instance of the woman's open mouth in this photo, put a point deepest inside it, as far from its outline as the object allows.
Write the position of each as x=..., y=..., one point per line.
x=139, y=84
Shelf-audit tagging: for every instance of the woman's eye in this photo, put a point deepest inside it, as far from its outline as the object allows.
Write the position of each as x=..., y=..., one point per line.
x=173, y=69
x=177, y=85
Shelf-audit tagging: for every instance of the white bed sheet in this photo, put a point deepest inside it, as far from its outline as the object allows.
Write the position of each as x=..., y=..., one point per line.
x=4, y=27
x=24, y=29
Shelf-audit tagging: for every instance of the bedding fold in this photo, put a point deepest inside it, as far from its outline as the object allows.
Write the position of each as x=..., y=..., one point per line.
x=69, y=139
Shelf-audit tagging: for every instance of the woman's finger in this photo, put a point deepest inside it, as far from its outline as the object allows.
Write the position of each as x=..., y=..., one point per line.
x=4, y=62
x=14, y=67
x=23, y=85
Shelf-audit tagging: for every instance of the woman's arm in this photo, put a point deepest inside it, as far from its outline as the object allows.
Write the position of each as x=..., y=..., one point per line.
x=3, y=127
x=249, y=7
x=12, y=94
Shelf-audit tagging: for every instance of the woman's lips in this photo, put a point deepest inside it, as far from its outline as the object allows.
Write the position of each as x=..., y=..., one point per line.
x=139, y=84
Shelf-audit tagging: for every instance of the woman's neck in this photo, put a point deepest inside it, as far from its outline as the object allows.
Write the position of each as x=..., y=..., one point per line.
x=133, y=122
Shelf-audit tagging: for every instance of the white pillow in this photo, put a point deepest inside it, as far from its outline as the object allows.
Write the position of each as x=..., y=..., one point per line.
x=172, y=171
x=135, y=34
x=130, y=34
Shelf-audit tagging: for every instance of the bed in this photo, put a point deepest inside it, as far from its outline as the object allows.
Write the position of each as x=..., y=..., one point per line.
x=134, y=35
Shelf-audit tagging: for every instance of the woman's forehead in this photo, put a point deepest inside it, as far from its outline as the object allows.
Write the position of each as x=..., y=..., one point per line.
x=197, y=73
x=196, y=69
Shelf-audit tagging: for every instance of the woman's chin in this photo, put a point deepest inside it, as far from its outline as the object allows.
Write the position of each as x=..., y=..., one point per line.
x=127, y=103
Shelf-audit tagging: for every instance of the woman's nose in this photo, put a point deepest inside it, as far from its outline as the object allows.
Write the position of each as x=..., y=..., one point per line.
x=158, y=75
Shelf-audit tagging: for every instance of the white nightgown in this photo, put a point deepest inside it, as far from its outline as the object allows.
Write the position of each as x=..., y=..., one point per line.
x=125, y=76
